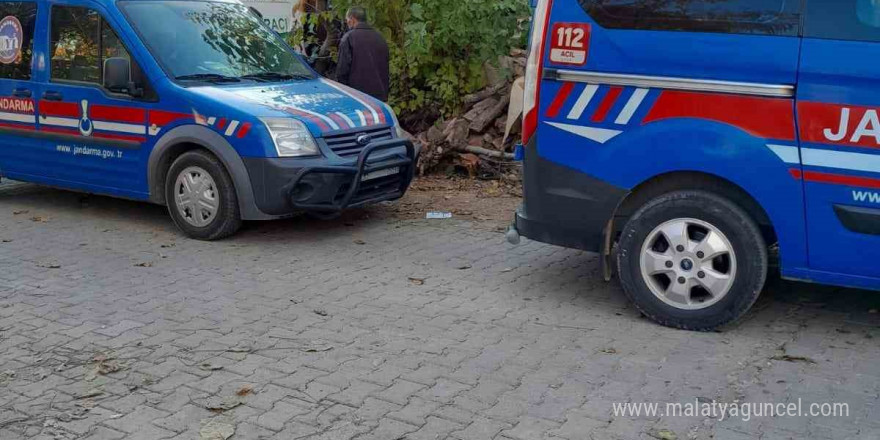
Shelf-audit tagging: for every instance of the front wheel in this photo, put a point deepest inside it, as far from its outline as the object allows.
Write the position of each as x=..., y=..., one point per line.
x=692, y=260
x=201, y=197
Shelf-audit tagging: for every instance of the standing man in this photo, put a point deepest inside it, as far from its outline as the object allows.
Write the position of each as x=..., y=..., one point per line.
x=363, y=57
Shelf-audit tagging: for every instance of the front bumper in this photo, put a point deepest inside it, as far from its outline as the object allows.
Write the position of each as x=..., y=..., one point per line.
x=564, y=206
x=283, y=186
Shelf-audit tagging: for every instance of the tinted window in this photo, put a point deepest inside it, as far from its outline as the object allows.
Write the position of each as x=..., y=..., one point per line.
x=16, y=39
x=81, y=42
x=765, y=17
x=843, y=19
x=75, y=37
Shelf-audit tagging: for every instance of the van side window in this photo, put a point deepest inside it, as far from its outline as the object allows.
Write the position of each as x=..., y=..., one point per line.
x=762, y=17
x=17, y=39
x=856, y=20
x=81, y=42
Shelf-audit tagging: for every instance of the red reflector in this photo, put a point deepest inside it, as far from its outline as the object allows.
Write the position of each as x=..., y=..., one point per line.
x=530, y=125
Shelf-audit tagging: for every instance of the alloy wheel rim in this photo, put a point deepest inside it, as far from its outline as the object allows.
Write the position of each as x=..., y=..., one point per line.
x=196, y=196
x=688, y=264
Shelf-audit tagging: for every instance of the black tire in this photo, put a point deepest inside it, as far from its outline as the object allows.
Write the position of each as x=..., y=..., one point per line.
x=743, y=235
x=227, y=219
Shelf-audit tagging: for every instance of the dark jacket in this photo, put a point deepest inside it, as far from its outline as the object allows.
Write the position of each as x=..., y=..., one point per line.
x=363, y=61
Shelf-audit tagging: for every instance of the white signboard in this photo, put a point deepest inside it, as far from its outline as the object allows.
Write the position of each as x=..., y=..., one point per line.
x=278, y=14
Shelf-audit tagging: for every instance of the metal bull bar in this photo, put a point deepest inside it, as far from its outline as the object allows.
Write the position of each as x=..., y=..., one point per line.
x=361, y=169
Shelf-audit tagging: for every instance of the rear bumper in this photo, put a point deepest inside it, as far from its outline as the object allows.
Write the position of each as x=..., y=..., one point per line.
x=283, y=186
x=562, y=206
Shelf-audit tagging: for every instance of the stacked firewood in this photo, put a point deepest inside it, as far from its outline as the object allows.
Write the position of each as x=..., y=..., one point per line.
x=480, y=142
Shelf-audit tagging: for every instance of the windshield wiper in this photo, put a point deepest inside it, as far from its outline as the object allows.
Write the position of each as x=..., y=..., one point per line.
x=209, y=77
x=275, y=76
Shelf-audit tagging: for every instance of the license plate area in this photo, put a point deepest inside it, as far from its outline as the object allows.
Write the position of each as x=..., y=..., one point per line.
x=380, y=174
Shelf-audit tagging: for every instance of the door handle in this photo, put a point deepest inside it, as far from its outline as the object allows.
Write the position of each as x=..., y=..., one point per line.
x=51, y=95
x=22, y=93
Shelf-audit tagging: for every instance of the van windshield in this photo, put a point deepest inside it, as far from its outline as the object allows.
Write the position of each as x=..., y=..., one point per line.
x=213, y=41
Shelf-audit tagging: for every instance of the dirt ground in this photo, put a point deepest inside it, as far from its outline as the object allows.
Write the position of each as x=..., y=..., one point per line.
x=490, y=204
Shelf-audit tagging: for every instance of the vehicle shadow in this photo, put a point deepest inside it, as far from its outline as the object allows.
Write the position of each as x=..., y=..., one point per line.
x=570, y=283
x=34, y=200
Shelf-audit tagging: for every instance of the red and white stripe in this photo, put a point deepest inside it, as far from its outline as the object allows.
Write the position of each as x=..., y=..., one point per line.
x=835, y=179
x=18, y=117
x=586, y=97
x=17, y=113
x=763, y=117
x=373, y=114
x=234, y=127
x=108, y=122
x=159, y=119
x=313, y=117
x=631, y=107
x=345, y=118
x=817, y=157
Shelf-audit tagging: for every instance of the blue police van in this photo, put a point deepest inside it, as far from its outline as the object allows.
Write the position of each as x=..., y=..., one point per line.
x=690, y=139
x=197, y=105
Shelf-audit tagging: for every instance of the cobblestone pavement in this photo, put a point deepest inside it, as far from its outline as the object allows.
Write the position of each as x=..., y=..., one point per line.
x=113, y=326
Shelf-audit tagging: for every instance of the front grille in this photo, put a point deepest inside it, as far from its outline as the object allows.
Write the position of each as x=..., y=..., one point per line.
x=382, y=187
x=345, y=145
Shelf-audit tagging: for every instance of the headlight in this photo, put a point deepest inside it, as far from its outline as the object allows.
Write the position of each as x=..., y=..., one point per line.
x=400, y=132
x=291, y=137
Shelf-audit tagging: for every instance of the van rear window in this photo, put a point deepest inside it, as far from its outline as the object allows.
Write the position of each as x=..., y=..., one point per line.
x=762, y=17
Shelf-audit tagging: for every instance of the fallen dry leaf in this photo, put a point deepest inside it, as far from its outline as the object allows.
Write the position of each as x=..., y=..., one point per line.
x=470, y=162
x=103, y=365
x=360, y=242
x=23, y=211
x=320, y=312
x=244, y=391
x=145, y=264
x=39, y=219
x=417, y=281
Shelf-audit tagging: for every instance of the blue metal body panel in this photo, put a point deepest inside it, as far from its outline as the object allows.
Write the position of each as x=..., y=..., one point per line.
x=840, y=74
x=109, y=153
x=684, y=54
x=626, y=135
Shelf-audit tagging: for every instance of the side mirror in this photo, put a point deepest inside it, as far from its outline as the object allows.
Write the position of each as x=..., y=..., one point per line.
x=117, y=77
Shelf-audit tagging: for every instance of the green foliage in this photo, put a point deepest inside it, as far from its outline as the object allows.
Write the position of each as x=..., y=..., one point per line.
x=439, y=47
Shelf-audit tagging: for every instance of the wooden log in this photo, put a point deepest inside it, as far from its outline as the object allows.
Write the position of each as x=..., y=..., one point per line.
x=474, y=98
x=485, y=152
x=489, y=116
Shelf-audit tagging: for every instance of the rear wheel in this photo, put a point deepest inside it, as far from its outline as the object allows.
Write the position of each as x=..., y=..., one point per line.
x=692, y=260
x=201, y=197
